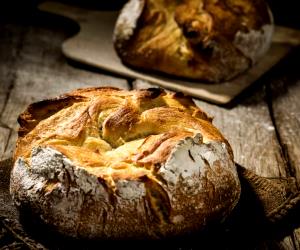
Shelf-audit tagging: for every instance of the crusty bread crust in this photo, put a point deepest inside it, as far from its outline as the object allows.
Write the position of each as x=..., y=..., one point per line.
x=199, y=39
x=109, y=163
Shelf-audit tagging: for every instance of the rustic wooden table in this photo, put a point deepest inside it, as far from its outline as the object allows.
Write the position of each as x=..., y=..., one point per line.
x=263, y=125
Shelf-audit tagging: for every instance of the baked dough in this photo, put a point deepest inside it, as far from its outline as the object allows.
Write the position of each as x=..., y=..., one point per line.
x=109, y=163
x=209, y=40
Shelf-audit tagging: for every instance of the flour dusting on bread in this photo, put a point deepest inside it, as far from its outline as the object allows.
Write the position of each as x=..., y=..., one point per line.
x=127, y=21
x=255, y=43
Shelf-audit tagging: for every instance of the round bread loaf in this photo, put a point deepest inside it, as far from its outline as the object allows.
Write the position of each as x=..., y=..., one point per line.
x=209, y=40
x=115, y=164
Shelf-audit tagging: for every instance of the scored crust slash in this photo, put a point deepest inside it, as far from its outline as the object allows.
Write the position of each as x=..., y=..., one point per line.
x=105, y=163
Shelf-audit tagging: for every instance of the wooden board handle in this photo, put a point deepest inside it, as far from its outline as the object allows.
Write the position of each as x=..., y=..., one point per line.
x=72, y=12
x=286, y=35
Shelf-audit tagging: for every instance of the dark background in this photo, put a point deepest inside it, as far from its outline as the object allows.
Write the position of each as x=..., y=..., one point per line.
x=285, y=12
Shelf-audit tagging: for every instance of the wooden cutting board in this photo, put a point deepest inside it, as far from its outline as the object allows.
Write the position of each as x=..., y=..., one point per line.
x=93, y=46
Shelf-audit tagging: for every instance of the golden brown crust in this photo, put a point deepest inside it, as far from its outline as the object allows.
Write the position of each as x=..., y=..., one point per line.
x=198, y=39
x=74, y=119
x=146, y=159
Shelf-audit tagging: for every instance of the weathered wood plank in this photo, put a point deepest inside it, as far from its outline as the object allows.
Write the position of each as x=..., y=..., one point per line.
x=10, y=45
x=285, y=101
x=250, y=131
x=286, y=108
x=4, y=135
x=7, y=208
x=40, y=72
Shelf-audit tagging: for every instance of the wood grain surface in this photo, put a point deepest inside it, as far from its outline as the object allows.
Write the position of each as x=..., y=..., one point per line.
x=286, y=109
x=263, y=126
x=285, y=105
